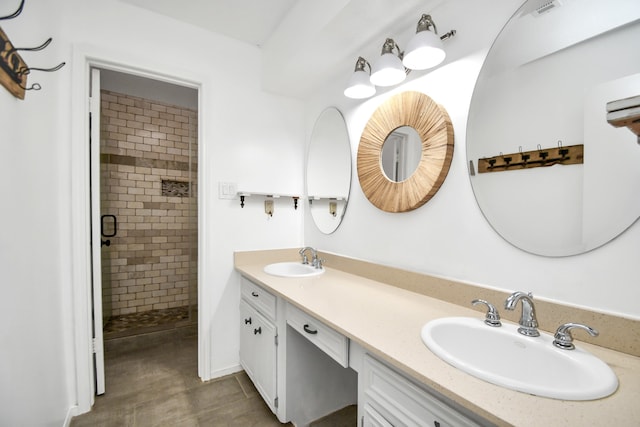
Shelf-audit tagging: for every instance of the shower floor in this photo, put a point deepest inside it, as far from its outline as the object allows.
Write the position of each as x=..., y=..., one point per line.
x=149, y=321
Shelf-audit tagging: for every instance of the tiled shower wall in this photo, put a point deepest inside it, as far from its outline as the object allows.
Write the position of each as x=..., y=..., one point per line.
x=148, y=181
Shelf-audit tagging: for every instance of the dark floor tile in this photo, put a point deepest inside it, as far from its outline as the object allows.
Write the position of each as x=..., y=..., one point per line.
x=105, y=417
x=252, y=412
x=247, y=385
x=165, y=410
x=215, y=394
x=155, y=383
x=347, y=417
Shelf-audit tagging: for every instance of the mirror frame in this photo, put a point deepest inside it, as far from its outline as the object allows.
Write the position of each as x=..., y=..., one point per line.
x=434, y=126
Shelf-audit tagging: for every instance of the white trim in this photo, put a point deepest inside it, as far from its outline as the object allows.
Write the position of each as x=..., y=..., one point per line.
x=71, y=412
x=85, y=57
x=226, y=371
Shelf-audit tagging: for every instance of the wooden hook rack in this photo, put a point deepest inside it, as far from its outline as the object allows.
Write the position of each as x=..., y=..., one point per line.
x=570, y=155
x=13, y=69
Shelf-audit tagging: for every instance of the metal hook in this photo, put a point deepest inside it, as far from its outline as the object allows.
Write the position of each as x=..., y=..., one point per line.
x=35, y=86
x=14, y=14
x=562, y=151
x=32, y=49
x=27, y=70
x=525, y=157
x=543, y=154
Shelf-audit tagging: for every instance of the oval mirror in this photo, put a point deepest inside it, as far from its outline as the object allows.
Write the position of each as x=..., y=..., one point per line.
x=542, y=90
x=401, y=153
x=329, y=170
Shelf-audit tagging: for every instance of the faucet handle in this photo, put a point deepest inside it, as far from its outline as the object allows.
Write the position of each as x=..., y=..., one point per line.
x=319, y=262
x=492, y=318
x=563, y=338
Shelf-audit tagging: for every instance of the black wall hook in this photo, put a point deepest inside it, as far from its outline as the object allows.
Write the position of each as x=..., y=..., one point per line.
x=14, y=14
x=13, y=69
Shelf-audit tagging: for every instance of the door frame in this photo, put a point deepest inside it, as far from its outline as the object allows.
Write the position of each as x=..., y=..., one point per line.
x=85, y=58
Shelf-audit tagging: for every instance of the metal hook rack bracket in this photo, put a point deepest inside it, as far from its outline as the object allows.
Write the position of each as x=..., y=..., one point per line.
x=570, y=155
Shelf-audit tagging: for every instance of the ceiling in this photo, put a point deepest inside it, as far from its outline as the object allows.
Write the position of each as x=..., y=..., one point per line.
x=250, y=21
x=304, y=43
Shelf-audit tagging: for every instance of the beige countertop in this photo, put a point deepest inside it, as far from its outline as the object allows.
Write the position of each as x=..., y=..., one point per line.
x=387, y=321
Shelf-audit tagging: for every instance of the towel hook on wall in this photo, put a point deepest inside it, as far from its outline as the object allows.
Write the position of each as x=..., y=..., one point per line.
x=14, y=14
x=13, y=69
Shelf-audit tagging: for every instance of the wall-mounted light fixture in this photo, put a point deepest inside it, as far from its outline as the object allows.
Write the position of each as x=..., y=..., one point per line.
x=388, y=70
x=425, y=50
x=359, y=85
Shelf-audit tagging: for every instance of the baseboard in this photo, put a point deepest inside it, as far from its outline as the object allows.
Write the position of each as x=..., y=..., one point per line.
x=226, y=371
x=71, y=412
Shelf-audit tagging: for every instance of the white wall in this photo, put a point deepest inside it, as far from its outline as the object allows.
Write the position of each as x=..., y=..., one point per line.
x=449, y=236
x=256, y=140
x=34, y=322
x=247, y=136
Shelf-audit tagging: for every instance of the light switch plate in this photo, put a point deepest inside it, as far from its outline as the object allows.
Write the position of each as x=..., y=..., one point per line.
x=227, y=190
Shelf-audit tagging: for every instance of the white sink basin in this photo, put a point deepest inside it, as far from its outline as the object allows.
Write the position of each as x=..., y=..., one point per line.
x=502, y=356
x=292, y=269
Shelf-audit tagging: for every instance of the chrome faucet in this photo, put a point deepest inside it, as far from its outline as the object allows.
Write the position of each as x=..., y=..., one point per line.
x=528, y=321
x=314, y=256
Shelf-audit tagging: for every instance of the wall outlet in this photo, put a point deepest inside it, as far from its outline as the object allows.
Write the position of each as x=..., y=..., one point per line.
x=227, y=190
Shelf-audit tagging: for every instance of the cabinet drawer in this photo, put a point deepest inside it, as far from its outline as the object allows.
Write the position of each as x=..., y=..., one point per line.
x=331, y=342
x=258, y=297
x=395, y=400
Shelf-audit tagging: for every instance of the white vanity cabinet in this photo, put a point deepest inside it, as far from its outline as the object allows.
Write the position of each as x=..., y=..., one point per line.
x=387, y=398
x=258, y=340
x=299, y=365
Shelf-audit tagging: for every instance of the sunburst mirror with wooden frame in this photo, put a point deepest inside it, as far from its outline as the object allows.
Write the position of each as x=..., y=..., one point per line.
x=433, y=125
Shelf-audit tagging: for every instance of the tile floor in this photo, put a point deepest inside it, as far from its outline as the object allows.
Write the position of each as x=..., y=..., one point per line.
x=152, y=380
x=149, y=321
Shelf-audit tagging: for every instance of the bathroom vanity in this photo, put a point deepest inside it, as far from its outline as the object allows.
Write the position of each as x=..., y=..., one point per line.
x=317, y=344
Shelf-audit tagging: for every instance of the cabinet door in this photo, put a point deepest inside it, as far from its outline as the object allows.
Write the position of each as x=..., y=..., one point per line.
x=372, y=418
x=258, y=352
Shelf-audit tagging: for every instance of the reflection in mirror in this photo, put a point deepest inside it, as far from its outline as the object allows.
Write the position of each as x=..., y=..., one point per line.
x=539, y=86
x=401, y=153
x=329, y=170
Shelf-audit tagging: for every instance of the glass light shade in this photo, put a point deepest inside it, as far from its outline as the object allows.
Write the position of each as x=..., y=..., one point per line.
x=424, y=51
x=388, y=70
x=359, y=86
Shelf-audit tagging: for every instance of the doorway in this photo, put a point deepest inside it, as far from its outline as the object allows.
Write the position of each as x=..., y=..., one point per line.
x=148, y=210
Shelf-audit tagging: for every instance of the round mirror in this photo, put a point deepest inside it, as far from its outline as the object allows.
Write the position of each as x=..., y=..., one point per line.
x=401, y=153
x=329, y=170
x=547, y=85
x=388, y=189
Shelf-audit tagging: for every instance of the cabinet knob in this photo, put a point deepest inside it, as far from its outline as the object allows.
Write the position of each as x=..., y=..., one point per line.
x=255, y=294
x=247, y=321
x=257, y=331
